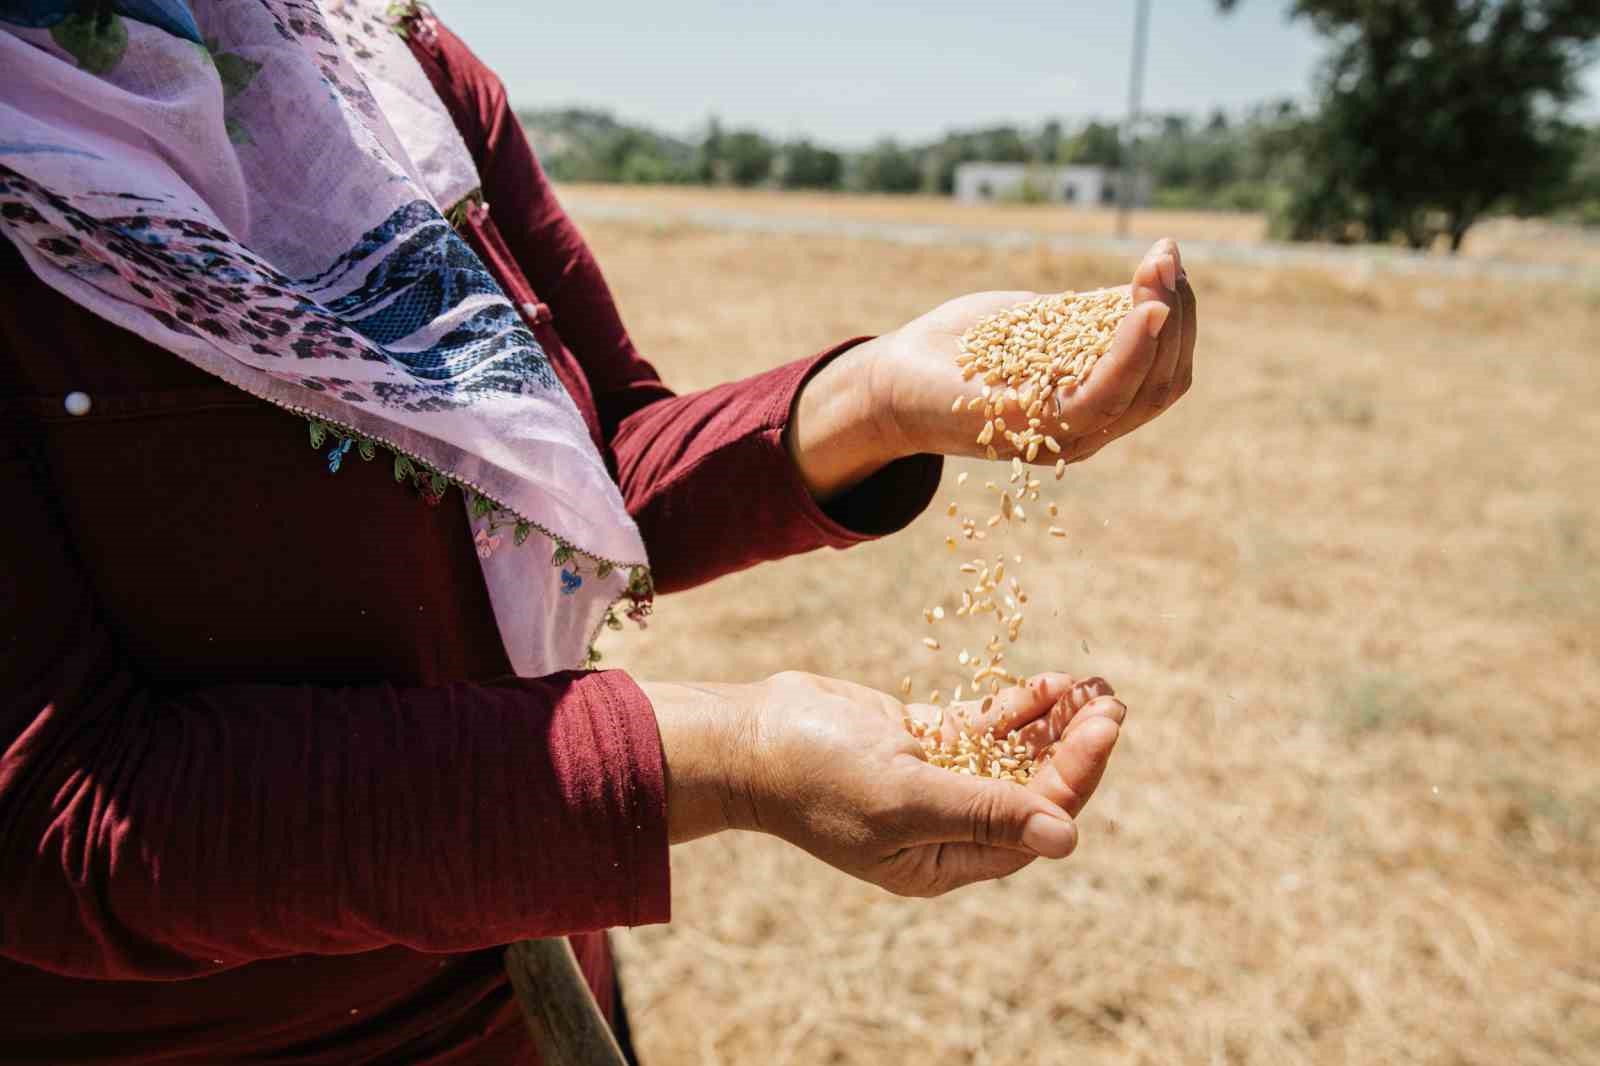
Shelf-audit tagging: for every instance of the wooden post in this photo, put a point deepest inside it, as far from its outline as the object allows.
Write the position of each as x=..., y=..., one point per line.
x=567, y=1026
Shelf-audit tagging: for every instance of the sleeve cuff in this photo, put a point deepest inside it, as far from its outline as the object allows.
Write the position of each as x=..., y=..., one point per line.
x=642, y=804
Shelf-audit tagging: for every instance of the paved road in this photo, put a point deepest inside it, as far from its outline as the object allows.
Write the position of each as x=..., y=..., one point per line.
x=1268, y=253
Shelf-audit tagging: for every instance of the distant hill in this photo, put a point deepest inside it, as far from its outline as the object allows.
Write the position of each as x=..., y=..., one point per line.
x=583, y=144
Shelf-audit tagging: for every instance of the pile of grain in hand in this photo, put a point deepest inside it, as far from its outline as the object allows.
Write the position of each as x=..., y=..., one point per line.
x=1019, y=358
x=1023, y=354
x=1006, y=758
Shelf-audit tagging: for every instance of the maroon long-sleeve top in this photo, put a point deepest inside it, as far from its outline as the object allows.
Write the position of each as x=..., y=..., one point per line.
x=267, y=789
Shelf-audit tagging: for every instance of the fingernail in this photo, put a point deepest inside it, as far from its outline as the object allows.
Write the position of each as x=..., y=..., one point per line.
x=1169, y=272
x=1158, y=318
x=1107, y=707
x=1048, y=836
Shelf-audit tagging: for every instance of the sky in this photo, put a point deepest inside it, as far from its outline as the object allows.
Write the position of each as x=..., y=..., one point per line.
x=849, y=73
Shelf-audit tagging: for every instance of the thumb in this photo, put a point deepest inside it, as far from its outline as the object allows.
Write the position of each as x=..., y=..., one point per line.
x=956, y=808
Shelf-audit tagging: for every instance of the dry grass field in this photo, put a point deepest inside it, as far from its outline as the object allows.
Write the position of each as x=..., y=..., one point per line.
x=1508, y=240
x=1350, y=589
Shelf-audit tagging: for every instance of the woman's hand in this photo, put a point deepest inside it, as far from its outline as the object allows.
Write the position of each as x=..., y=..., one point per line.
x=829, y=767
x=890, y=397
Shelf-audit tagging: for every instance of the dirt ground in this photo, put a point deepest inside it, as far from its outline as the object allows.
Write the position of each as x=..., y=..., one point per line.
x=1350, y=589
x=1523, y=241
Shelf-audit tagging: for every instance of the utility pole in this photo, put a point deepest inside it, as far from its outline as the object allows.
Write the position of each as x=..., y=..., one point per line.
x=1130, y=164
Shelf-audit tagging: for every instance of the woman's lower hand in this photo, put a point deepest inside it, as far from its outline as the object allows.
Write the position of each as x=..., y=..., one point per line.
x=891, y=396
x=830, y=767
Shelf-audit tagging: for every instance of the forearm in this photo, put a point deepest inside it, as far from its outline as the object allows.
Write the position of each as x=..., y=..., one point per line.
x=164, y=837
x=711, y=479
x=837, y=437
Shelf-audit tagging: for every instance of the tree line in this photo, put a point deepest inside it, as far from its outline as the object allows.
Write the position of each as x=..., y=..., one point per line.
x=1425, y=116
x=1221, y=162
x=579, y=144
x=1246, y=162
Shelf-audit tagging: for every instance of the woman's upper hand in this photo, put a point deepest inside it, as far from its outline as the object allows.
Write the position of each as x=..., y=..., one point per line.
x=913, y=376
x=830, y=767
x=891, y=396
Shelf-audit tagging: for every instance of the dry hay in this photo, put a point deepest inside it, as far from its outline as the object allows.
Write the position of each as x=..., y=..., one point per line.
x=1349, y=591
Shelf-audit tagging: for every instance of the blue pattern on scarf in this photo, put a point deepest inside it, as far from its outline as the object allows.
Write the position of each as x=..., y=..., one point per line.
x=430, y=272
x=41, y=148
x=408, y=217
x=427, y=271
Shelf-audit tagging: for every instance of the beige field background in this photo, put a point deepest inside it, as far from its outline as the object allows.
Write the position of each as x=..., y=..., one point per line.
x=1350, y=589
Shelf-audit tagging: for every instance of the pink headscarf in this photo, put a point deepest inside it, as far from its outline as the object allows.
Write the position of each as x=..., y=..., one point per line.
x=260, y=188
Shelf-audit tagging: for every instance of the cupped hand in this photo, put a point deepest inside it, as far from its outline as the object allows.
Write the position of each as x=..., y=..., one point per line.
x=912, y=377
x=830, y=768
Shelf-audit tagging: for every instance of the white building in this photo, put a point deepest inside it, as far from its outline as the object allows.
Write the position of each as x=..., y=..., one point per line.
x=1084, y=186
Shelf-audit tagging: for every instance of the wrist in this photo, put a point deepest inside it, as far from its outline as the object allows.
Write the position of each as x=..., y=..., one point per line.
x=842, y=429
x=707, y=747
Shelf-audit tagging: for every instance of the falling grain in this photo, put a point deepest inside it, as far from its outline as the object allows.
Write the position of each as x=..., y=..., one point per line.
x=1024, y=361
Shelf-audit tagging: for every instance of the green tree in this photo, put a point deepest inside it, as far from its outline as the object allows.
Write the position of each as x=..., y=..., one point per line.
x=709, y=166
x=645, y=167
x=748, y=156
x=1098, y=143
x=1049, y=150
x=1433, y=112
x=803, y=165
x=887, y=167
x=1583, y=194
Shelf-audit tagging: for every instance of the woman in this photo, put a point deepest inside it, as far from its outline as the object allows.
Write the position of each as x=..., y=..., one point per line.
x=289, y=748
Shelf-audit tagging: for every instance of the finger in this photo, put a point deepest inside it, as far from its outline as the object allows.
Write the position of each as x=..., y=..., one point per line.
x=1079, y=761
x=1117, y=376
x=1099, y=702
x=945, y=808
x=1124, y=402
x=1156, y=394
x=1045, y=731
x=1010, y=708
x=1151, y=280
x=1191, y=328
x=1105, y=395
